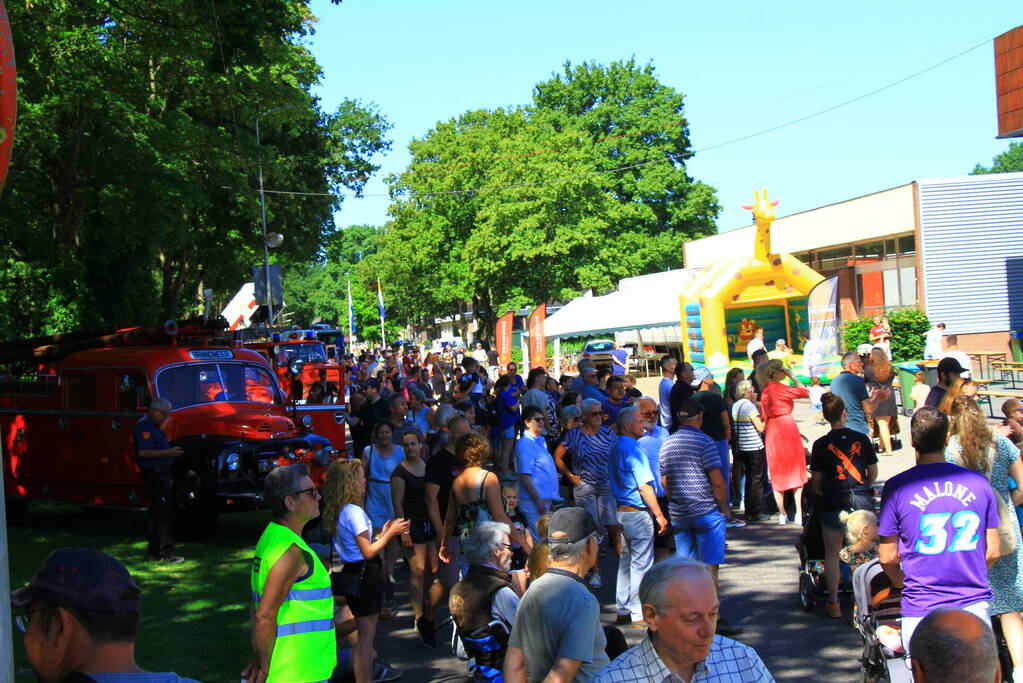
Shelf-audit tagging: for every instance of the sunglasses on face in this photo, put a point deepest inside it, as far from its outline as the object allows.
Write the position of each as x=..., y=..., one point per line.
x=22, y=621
x=311, y=489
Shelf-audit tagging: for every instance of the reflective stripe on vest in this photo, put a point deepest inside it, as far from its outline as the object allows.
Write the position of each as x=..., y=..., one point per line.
x=298, y=627
x=301, y=594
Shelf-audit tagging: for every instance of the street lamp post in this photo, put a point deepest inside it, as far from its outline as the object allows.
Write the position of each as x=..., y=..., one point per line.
x=262, y=212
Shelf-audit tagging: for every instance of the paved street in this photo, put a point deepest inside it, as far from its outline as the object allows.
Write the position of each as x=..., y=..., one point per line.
x=759, y=593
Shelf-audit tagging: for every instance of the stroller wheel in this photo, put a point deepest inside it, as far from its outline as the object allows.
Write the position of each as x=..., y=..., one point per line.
x=806, y=591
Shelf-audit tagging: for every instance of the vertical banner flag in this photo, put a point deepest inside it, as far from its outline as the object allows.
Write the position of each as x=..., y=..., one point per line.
x=503, y=337
x=351, y=315
x=380, y=299
x=537, y=340
x=820, y=353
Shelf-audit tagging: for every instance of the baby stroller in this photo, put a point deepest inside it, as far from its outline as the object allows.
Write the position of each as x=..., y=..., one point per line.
x=812, y=586
x=878, y=619
x=483, y=651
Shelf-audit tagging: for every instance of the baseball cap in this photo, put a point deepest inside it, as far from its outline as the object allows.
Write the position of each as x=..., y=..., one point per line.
x=82, y=578
x=699, y=374
x=950, y=365
x=688, y=408
x=373, y=382
x=570, y=525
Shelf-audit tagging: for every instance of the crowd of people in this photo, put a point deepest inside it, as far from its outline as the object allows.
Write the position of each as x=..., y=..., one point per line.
x=501, y=493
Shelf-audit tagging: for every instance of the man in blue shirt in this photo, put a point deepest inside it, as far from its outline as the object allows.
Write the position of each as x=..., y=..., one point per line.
x=615, y=401
x=154, y=455
x=852, y=389
x=650, y=443
x=632, y=485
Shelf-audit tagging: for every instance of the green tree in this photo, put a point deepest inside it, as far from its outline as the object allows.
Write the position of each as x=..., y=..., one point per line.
x=1009, y=161
x=132, y=184
x=908, y=328
x=512, y=206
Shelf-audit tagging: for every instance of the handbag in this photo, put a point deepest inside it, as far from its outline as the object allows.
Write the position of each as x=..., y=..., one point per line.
x=1006, y=517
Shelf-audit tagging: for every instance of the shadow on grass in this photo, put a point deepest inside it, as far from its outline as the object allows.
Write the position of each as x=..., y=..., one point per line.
x=194, y=614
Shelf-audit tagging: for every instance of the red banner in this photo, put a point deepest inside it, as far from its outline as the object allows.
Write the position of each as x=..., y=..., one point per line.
x=8, y=93
x=537, y=340
x=503, y=338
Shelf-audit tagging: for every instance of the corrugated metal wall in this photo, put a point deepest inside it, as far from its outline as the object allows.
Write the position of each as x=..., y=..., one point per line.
x=971, y=231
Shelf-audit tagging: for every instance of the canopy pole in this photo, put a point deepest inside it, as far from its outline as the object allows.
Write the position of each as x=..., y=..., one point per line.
x=557, y=359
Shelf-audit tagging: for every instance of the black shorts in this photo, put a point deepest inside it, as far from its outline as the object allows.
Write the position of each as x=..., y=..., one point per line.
x=367, y=602
x=421, y=531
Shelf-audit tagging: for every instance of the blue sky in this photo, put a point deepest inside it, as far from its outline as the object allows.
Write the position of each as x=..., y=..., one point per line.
x=743, y=67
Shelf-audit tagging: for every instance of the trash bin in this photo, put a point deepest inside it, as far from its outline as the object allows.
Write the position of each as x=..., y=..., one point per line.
x=1016, y=345
x=907, y=370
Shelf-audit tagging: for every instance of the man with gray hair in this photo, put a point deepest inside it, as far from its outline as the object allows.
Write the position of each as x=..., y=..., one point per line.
x=484, y=596
x=577, y=383
x=680, y=608
x=557, y=634
x=852, y=389
x=154, y=455
x=632, y=486
x=951, y=645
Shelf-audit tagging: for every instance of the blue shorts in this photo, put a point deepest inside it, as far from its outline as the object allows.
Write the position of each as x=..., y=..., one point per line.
x=508, y=433
x=701, y=538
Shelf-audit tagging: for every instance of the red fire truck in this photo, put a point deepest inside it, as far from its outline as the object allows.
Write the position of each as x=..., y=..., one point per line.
x=68, y=404
x=298, y=356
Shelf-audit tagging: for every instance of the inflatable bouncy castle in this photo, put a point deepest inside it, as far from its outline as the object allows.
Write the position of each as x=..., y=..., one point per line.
x=725, y=303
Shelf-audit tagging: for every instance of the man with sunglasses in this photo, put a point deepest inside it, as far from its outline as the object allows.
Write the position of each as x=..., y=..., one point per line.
x=81, y=620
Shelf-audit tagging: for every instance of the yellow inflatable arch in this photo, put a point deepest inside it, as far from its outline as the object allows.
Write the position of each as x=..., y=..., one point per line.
x=724, y=304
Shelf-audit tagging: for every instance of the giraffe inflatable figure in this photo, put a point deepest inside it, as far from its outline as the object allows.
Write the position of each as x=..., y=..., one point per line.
x=763, y=212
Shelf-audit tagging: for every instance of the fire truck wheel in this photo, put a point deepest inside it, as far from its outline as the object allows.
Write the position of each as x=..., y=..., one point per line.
x=196, y=509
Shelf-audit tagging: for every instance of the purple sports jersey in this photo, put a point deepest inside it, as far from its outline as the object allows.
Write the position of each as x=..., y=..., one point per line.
x=941, y=513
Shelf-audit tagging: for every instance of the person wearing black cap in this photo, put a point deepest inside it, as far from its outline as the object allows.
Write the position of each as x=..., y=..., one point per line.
x=949, y=370
x=557, y=633
x=697, y=496
x=81, y=620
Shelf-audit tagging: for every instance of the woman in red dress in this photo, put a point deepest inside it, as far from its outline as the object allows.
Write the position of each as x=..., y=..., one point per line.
x=786, y=458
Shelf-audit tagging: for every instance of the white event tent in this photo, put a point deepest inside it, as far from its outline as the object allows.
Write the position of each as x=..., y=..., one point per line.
x=647, y=304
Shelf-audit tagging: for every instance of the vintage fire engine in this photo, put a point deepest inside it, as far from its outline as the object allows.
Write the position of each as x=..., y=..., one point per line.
x=68, y=404
x=298, y=357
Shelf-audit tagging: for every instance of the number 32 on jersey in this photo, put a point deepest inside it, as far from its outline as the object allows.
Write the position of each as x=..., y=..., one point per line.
x=935, y=531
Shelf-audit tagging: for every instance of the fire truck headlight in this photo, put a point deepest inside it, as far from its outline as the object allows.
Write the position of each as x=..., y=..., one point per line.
x=233, y=462
x=307, y=421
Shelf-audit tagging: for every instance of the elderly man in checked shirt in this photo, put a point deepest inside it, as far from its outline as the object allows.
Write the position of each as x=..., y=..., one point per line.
x=680, y=607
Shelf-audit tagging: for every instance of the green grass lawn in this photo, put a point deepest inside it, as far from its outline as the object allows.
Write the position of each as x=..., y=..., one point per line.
x=194, y=615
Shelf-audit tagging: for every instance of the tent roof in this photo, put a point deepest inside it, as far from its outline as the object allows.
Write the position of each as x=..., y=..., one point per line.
x=639, y=302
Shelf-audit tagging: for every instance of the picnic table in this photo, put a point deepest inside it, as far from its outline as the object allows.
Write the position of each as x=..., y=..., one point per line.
x=988, y=396
x=984, y=360
x=1008, y=368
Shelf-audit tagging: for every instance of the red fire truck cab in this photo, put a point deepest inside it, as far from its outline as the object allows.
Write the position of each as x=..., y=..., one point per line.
x=297, y=356
x=66, y=427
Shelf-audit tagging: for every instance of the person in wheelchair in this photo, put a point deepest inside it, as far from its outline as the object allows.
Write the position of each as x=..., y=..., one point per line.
x=483, y=603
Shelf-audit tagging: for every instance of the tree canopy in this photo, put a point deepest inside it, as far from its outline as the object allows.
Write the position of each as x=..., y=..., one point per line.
x=1009, y=161
x=505, y=207
x=133, y=177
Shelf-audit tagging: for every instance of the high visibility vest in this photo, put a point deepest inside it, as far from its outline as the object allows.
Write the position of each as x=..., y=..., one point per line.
x=305, y=650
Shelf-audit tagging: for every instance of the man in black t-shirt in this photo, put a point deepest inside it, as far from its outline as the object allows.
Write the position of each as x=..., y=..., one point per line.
x=373, y=410
x=441, y=470
x=844, y=468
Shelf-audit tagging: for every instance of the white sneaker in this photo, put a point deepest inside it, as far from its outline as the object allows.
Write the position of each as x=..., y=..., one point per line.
x=798, y=520
x=782, y=519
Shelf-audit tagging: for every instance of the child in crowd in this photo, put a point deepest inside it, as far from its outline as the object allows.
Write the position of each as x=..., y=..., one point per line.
x=861, y=536
x=540, y=557
x=519, y=554
x=1013, y=411
x=920, y=389
x=816, y=400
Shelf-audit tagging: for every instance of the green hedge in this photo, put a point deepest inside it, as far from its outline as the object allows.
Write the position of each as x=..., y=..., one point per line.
x=908, y=328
